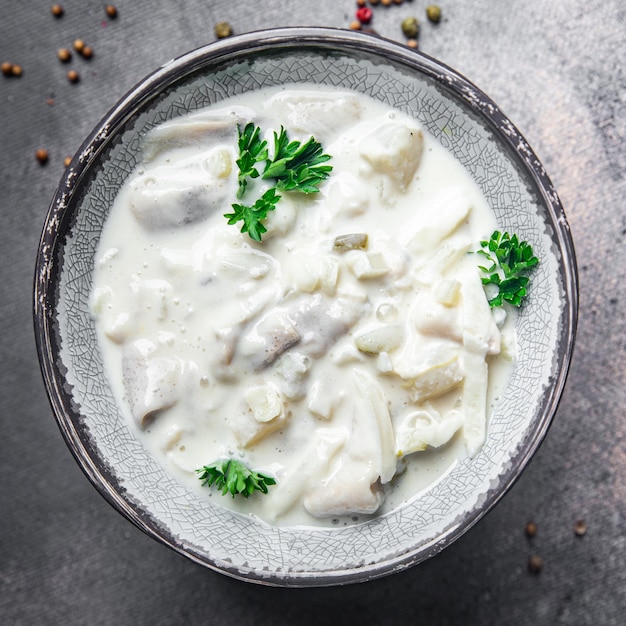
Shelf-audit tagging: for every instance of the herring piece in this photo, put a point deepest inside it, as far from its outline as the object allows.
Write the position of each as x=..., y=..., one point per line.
x=174, y=196
x=366, y=265
x=152, y=383
x=323, y=399
x=197, y=129
x=248, y=430
x=437, y=380
x=313, y=113
x=395, y=150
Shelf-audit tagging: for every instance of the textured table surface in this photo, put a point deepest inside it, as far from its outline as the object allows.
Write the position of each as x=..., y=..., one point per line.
x=557, y=70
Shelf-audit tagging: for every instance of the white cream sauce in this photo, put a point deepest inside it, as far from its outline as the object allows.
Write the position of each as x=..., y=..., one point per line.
x=356, y=377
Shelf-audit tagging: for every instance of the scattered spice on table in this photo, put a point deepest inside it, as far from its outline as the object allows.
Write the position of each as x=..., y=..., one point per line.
x=530, y=529
x=433, y=13
x=16, y=70
x=410, y=27
x=355, y=25
x=535, y=564
x=111, y=11
x=64, y=55
x=364, y=15
x=86, y=52
x=223, y=29
x=412, y=43
x=78, y=45
x=7, y=68
x=67, y=160
x=73, y=76
x=580, y=528
x=42, y=156
x=57, y=10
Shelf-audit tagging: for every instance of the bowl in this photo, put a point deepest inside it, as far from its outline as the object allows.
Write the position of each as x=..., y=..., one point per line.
x=467, y=123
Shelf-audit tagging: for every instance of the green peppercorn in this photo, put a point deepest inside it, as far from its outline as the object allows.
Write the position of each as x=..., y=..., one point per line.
x=223, y=29
x=410, y=27
x=433, y=13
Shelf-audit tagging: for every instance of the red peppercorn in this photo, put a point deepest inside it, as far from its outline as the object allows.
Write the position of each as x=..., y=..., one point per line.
x=364, y=15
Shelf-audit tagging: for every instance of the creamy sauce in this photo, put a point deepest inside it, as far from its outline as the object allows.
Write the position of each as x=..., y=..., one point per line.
x=355, y=370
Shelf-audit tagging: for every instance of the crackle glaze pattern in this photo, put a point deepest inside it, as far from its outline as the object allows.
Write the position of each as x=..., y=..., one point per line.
x=468, y=124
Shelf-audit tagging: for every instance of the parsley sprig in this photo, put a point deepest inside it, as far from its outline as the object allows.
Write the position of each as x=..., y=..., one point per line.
x=252, y=216
x=511, y=259
x=252, y=150
x=294, y=166
x=297, y=166
x=234, y=477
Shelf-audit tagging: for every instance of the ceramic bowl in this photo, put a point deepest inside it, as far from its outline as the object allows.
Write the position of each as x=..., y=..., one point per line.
x=466, y=122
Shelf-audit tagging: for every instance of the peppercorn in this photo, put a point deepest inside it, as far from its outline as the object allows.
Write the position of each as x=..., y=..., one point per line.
x=223, y=29
x=535, y=564
x=16, y=70
x=530, y=529
x=410, y=27
x=580, y=528
x=73, y=76
x=360, y=3
x=67, y=160
x=111, y=11
x=398, y=1
x=57, y=10
x=374, y=2
x=42, y=156
x=7, y=68
x=87, y=52
x=412, y=43
x=78, y=45
x=433, y=13
x=64, y=55
x=356, y=25
x=364, y=15
x=385, y=3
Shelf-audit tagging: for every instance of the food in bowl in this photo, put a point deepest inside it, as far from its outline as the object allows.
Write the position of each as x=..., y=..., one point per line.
x=86, y=404
x=326, y=345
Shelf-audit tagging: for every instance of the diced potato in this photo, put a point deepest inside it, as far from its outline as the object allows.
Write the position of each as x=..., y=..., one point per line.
x=426, y=427
x=265, y=401
x=248, y=430
x=437, y=380
x=447, y=292
x=323, y=399
x=329, y=275
x=394, y=149
x=380, y=339
x=367, y=264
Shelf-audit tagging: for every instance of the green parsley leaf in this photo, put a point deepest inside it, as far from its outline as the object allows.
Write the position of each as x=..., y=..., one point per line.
x=252, y=216
x=510, y=261
x=234, y=477
x=297, y=166
x=252, y=150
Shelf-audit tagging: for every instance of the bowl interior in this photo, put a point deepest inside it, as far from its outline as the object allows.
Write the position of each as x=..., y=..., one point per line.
x=464, y=121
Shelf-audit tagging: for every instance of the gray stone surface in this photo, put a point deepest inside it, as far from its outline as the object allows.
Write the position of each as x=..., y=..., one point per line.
x=66, y=557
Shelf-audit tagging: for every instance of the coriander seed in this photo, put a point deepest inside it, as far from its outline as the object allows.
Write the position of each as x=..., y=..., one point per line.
x=87, y=52
x=223, y=29
x=42, y=156
x=64, y=55
x=360, y=3
x=535, y=564
x=433, y=13
x=530, y=529
x=410, y=27
x=111, y=11
x=385, y=3
x=73, y=76
x=580, y=528
x=67, y=160
x=16, y=70
x=355, y=25
x=7, y=68
x=374, y=2
x=78, y=45
x=412, y=43
x=57, y=10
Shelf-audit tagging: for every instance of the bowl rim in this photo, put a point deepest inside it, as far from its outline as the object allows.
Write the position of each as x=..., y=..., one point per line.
x=244, y=46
